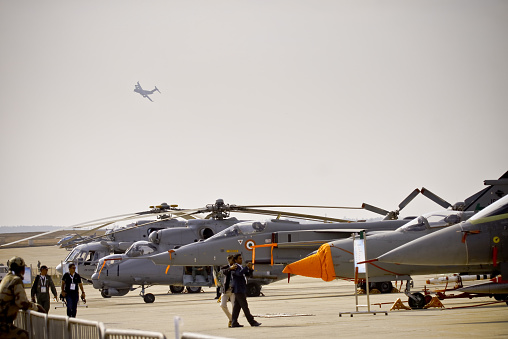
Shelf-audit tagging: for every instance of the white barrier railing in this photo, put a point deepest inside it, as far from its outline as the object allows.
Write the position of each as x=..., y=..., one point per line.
x=44, y=326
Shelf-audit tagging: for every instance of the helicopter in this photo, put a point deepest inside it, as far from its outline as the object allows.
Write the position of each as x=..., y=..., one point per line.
x=86, y=256
x=87, y=252
x=117, y=274
x=275, y=241
x=339, y=254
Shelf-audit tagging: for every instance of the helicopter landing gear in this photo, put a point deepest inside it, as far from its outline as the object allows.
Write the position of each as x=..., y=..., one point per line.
x=147, y=298
x=104, y=294
x=253, y=290
x=193, y=289
x=176, y=289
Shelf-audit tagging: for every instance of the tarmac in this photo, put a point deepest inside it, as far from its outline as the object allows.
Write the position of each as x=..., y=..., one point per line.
x=304, y=307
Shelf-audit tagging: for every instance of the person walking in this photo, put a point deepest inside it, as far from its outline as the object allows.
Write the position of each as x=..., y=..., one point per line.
x=40, y=288
x=70, y=283
x=13, y=298
x=239, y=275
x=227, y=287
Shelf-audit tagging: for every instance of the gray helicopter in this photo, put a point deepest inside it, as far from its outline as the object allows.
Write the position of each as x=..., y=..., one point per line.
x=274, y=242
x=86, y=253
x=117, y=274
x=339, y=254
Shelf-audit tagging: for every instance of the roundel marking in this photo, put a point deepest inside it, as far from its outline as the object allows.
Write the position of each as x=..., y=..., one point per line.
x=249, y=244
x=496, y=240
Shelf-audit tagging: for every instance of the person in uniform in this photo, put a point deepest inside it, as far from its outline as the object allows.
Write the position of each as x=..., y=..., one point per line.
x=13, y=298
x=40, y=289
x=70, y=283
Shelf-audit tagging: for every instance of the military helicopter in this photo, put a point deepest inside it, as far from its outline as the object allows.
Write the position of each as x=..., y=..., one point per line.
x=88, y=251
x=480, y=241
x=339, y=254
x=117, y=274
x=275, y=241
x=145, y=93
x=86, y=256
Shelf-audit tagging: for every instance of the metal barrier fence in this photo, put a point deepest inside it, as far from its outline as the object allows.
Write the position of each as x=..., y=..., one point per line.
x=44, y=326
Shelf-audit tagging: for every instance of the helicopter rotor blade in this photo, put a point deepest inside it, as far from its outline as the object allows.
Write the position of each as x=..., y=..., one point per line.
x=374, y=209
x=441, y=202
x=409, y=198
x=290, y=214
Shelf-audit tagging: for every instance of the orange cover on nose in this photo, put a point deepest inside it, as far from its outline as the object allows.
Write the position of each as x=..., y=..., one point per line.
x=318, y=265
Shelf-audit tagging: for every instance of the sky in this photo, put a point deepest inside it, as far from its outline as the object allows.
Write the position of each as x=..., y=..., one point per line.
x=262, y=102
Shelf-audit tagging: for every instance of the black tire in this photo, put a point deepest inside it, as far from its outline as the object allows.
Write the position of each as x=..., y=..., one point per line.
x=501, y=297
x=384, y=286
x=104, y=294
x=193, y=289
x=149, y=298
x=418, y=303
x=176, y=289
x=253, y=290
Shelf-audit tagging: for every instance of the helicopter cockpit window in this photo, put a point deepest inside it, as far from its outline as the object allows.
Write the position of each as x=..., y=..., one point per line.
x=432, y=220
x=71, y=255
x=106, y=264
x=77, y=255
x=140, y=248
x=244, y=228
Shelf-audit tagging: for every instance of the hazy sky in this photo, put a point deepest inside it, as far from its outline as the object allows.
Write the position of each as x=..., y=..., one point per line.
x=263, y=102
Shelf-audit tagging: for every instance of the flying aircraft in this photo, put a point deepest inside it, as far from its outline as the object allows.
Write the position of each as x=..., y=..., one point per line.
x=480, y=241
x=335, y=259
x=145, y=93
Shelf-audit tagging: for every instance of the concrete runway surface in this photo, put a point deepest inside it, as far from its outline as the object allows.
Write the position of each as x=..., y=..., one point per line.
x=305, y=307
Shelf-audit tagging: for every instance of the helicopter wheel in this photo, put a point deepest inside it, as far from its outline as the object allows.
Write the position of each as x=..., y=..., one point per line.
x=384, y=286
x=149, y=298
x=191, y=289
x=176, y=289
x=104, y=294
x=253, y=290
x=418, y=303
x=501, y=297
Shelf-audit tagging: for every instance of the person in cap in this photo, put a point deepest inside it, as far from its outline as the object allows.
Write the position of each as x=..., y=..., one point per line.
x=40, y=288
x=13, y=298
x=70, y=283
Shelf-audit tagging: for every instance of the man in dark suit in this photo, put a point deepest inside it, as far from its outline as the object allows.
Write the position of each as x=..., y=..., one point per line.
x=240, y=290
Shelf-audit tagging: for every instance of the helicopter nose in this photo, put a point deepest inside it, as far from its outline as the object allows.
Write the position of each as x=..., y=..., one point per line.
x=95, y=281
x=317, y=265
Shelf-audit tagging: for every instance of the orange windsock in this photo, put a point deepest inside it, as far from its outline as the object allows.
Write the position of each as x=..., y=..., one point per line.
x=319, y=265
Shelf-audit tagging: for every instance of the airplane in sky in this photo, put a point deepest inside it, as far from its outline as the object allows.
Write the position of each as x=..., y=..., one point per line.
x=145, y=93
